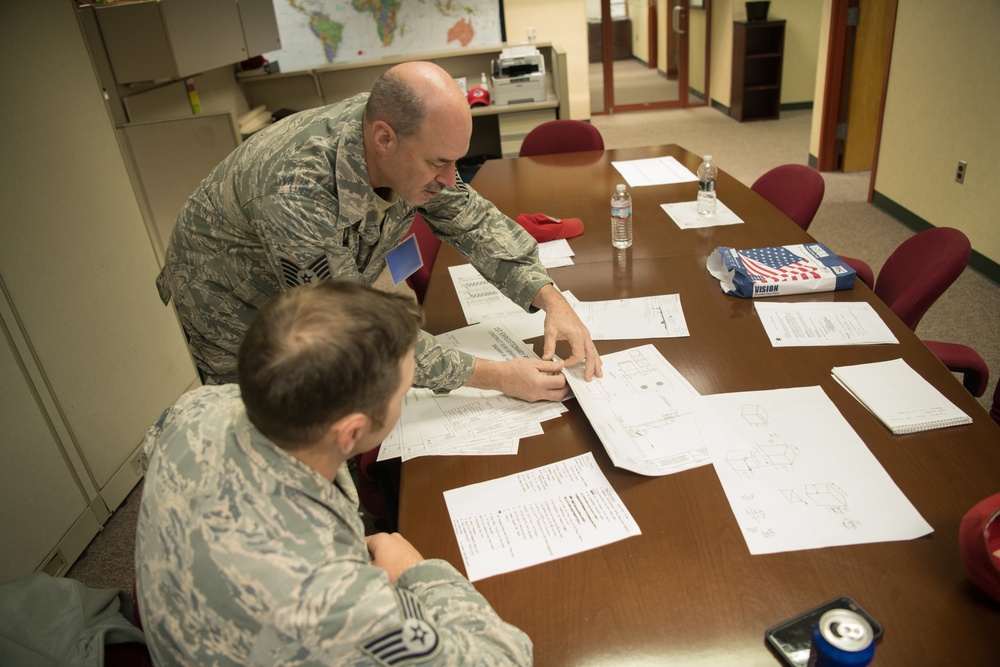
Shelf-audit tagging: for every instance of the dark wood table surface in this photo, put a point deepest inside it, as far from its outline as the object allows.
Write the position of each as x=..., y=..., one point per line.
x=687, y=591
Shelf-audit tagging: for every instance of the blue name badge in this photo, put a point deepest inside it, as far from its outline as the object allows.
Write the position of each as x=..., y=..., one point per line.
x=404, y=259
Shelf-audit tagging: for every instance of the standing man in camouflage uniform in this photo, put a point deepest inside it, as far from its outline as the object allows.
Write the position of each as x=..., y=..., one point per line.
x=328, y=193
x=250, y=549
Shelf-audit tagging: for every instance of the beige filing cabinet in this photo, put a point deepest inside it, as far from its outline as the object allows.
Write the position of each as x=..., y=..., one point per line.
x=170, y=39
x=89, y=356
x=169, y=146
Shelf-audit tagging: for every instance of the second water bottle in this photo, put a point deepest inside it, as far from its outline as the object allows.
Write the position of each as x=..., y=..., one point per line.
x=621, y=218
x=707, y=173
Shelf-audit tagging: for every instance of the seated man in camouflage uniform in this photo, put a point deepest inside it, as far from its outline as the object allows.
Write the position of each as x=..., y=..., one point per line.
x=328, y=193
x=250, y=549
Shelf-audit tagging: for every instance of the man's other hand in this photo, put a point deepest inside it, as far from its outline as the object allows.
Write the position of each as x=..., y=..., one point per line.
x=393, y=553
x=527, y=379
x=562, y=323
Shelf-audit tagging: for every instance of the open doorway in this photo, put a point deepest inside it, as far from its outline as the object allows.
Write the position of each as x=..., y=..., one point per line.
x=856, y=78
x=648, y=54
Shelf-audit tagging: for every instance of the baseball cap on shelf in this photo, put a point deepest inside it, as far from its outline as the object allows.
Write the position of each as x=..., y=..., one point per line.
x=545, y=228
x=478, y=96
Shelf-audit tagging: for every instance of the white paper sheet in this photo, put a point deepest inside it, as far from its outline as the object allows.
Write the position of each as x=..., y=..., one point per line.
x=536, y=516
x=654, y=171
x=799, y=477
x=556, y=253
x=685, y=215
x=809, y=324
x=466, y=422
x=648, y=417
x=628, y=319
x=479, y=298
x=469, y=421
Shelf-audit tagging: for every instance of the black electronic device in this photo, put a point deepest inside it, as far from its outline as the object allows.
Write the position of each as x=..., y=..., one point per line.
x=791, y=640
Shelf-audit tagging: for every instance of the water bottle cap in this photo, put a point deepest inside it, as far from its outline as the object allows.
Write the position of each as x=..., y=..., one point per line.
x=621, y=187
x=708, y=158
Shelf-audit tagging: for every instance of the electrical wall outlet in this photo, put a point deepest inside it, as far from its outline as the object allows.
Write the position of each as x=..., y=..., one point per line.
x=960, y=174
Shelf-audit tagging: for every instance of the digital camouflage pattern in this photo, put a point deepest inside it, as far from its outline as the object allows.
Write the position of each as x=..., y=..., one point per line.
x=246, y=556
x=293, y=204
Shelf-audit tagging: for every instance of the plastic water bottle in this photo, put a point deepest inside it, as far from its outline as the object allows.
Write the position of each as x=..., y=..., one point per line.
x=621, y=218
x=707, y=173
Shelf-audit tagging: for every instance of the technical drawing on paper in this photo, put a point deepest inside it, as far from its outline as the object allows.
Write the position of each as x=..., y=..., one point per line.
x=761, y=456
x=828, y=495
x=649, y=418
x=643, y=433
x=634, y=374
x=754, y=414
x=641, y=375
x=798, y=476
x=791, y=496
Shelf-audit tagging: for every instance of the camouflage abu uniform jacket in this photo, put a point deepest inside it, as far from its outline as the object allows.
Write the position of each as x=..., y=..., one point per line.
x=246, y=556
x=294, y=204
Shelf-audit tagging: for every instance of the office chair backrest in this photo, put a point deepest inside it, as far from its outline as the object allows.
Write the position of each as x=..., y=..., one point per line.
x=920, y=270
x=562, y=136
x=794, y=189
x=429, y=245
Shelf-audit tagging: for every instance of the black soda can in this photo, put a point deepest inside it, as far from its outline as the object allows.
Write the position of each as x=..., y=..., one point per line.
x=842, y=638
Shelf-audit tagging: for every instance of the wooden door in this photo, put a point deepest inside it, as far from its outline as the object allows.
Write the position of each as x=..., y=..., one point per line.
x=871, y=50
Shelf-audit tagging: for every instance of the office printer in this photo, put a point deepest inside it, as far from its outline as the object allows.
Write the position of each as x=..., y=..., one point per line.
x=518, y=76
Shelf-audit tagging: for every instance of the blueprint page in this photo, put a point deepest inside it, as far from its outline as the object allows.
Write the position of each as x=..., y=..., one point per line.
x=648, y=417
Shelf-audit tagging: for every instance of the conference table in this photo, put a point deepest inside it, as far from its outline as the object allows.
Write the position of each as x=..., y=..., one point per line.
x=687, y=591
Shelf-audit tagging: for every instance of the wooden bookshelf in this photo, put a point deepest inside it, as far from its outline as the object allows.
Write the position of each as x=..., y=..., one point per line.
x=758, y=52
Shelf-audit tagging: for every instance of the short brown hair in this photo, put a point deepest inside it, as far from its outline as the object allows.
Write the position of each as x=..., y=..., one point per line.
x=395, y=102
x=322, y=351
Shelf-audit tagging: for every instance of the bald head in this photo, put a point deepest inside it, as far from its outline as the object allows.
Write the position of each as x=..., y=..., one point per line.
x=407, y=94
x=417, y=125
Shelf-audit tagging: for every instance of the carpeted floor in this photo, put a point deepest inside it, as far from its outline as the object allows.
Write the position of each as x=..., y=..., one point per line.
x=967, y=313
x=635, y=83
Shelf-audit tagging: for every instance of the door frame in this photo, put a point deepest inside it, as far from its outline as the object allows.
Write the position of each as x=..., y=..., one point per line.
x=607, y=58
x=652, y=34
x=837, y=82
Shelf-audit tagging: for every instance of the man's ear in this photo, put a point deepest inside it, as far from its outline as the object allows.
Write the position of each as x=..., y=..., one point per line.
x=384, y=137
x=349, y=430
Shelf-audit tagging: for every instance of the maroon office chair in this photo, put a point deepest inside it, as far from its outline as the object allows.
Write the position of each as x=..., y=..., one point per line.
x=995, y=408
x=861, y=268
x=378, y=488
x=963, y=359
x=429, y=245
x=562, y=136
x=920, y=270
x=797, y=191
x=794, y=189
x=129, y=654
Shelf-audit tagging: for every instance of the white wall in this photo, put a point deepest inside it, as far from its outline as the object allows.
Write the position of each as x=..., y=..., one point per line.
x=942, y=106
x=802, y=32
x=564, y=23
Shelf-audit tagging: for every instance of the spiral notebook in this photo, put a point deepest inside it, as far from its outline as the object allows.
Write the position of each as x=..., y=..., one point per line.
x=899, y=396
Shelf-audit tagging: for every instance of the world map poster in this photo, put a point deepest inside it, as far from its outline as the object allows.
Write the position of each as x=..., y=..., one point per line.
x=316, y=33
